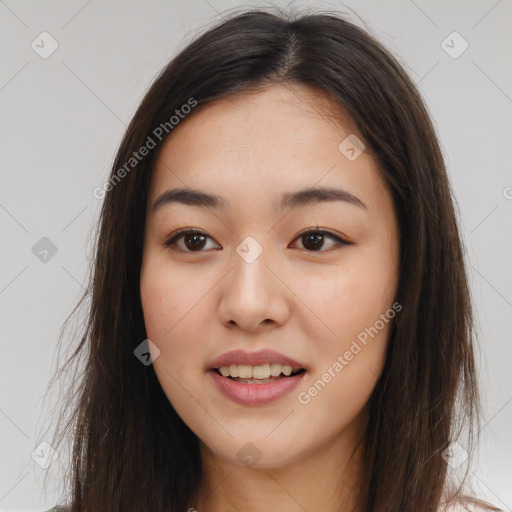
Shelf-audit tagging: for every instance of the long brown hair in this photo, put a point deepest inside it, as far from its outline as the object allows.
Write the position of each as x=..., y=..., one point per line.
x=130, y=450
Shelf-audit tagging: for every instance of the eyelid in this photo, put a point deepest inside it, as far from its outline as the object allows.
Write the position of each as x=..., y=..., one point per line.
x=323, y=231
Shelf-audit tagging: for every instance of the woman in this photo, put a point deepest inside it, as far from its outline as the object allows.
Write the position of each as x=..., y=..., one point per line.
x=280, y=316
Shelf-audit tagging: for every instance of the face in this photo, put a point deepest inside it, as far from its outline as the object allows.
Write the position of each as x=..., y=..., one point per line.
x=313, y=280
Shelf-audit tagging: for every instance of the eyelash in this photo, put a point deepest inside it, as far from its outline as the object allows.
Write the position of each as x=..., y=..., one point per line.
x=171, y=241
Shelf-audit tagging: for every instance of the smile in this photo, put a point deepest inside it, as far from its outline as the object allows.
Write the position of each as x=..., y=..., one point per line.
x=253, y=390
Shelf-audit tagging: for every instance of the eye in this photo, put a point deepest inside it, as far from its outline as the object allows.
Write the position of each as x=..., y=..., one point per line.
x=314, y=239
x=195, y=241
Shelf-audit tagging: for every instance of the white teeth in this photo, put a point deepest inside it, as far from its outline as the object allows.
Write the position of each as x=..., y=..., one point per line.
x=287, y=370
x=225, y=371
x=245, y=371
x=275, y=369
x=233, y=370
x=261, y=372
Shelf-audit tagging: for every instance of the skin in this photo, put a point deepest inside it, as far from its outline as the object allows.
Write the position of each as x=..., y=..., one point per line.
x=310, y=305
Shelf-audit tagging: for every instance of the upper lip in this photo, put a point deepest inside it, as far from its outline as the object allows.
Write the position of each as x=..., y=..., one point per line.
x=254, y=359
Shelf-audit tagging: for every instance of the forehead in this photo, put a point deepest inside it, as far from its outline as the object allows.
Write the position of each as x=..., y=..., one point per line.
x=282, y=138
x=293, y=113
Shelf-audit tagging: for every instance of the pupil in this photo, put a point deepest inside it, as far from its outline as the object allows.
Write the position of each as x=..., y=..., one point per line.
x=199, y=240
x=317, y=240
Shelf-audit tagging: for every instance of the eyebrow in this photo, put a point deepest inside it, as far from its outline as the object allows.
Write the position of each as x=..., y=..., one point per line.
x=302, y=197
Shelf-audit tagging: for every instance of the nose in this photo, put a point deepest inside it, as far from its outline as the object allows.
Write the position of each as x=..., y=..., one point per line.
x=254, y=297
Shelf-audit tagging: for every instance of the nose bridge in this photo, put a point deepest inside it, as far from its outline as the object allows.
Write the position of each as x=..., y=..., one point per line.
x=250, y=260
x=251, y=291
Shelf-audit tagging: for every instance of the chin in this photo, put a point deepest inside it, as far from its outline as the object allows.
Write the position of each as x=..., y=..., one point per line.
x=257, y=454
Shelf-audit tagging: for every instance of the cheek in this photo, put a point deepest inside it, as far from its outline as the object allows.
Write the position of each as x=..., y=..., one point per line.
x=354, y=305
x=350, y=361
x=347, y=301
x=175, y=313
x=159, y=309
x=165, y=316
x=168, y=297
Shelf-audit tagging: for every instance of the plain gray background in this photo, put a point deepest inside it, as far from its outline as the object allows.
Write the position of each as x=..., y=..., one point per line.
x=63, y=116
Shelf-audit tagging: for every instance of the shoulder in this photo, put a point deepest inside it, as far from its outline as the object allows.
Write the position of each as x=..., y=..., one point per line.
x=58, y=508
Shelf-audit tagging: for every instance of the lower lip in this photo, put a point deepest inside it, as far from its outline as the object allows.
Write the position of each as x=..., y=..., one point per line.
x=255, y=394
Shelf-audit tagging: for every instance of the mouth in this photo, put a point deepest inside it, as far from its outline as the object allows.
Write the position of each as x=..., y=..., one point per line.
x=256, y=378
x=267, y=383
